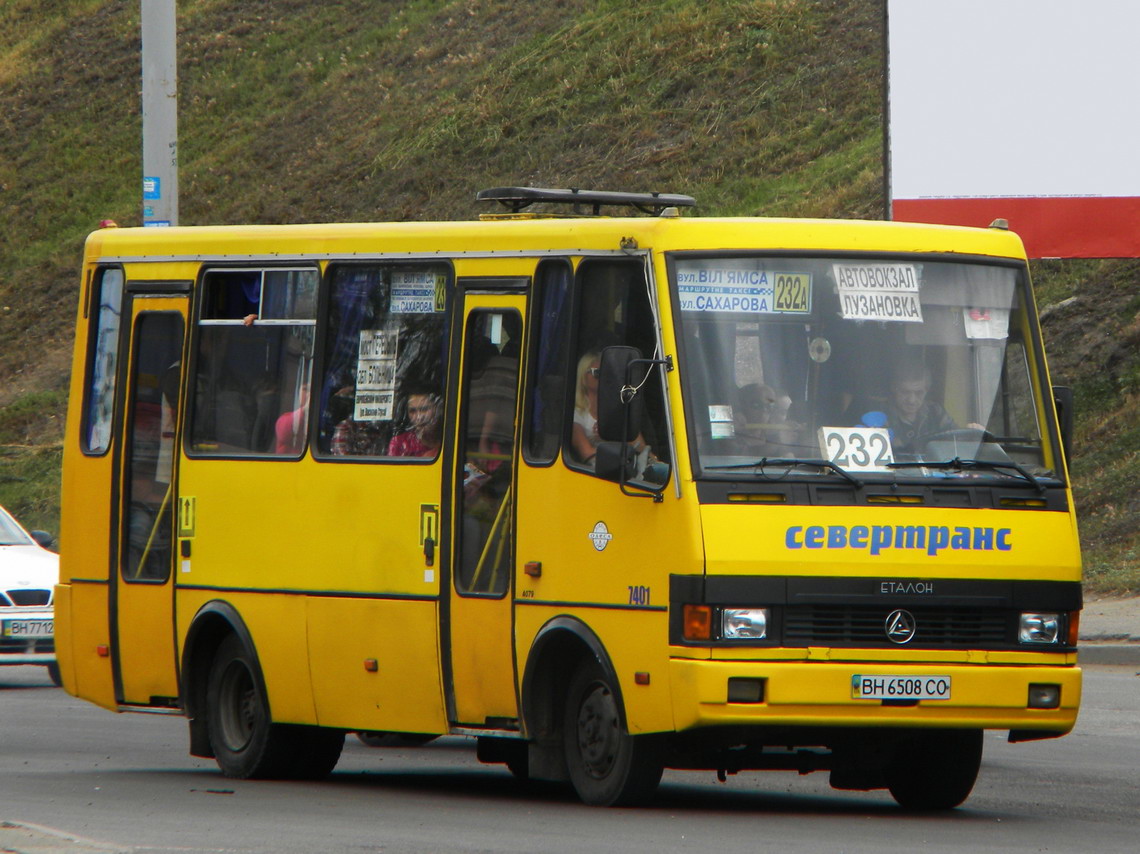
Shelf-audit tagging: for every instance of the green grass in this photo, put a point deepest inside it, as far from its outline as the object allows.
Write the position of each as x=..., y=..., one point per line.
x=294, y=111
x=34, y=419
x=29, y=485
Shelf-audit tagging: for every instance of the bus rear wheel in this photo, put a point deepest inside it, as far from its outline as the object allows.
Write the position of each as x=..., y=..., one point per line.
x=246, y=742
x=935, y=770
x=607, y=766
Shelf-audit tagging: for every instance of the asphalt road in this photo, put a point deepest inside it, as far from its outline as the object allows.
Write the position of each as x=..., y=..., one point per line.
x=78, y=779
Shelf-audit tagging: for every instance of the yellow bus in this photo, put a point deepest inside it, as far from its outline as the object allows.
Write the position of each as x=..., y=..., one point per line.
x=606, y=493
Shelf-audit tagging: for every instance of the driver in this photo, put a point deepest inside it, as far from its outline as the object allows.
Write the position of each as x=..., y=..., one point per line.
x=909, y=414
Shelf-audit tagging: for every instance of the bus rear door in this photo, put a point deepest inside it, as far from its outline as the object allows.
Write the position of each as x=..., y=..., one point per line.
x=478, y=620
x=142, y=602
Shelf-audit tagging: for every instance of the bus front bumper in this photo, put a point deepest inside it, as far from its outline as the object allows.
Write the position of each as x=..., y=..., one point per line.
x=824, y=693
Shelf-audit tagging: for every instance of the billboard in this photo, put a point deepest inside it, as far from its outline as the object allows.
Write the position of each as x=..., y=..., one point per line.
x=1024, y=110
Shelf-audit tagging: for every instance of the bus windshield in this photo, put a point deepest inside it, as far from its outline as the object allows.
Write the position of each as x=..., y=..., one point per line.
x=859, y=368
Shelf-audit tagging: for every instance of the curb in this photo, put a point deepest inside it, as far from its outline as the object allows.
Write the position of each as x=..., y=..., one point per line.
x=1127, y=654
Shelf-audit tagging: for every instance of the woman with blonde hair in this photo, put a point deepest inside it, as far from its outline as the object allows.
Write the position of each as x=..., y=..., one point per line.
x=584, y=439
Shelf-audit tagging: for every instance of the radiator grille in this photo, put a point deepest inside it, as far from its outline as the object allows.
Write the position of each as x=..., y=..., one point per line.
x=832, y=625
x=26, y=597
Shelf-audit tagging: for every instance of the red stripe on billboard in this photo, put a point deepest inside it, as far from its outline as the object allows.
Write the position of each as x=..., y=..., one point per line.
x=1051, y=227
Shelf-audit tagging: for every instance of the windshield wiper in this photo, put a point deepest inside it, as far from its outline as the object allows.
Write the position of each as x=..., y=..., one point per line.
x=764, y=462
x=963, y=465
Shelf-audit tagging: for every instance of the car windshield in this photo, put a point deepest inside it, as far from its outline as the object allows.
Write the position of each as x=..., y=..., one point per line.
x=11, y=534
x=881, y=369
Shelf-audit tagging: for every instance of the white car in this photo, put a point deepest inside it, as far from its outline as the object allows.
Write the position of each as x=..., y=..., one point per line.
x=28, y=573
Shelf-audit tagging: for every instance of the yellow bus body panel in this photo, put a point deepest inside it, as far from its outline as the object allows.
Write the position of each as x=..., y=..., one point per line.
x=280, y=540
x=642, y=544
x=82, y=632
x=536, y=237
x=404, y=692
x=276, y=621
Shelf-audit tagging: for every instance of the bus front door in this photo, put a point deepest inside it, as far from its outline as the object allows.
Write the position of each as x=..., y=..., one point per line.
x=142, y=608
x=478, y=620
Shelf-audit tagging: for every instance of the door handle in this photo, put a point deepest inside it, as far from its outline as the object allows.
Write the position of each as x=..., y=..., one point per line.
x=429, y=551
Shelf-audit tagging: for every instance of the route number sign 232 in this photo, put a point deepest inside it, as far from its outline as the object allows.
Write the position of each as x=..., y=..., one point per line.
x=859, y=448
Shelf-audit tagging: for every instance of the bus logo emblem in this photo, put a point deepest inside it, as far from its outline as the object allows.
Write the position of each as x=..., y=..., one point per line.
x=900, y=626
x=600, y=536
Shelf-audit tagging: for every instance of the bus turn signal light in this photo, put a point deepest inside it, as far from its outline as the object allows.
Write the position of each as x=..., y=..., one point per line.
x=1074, y=627
x=698, y=622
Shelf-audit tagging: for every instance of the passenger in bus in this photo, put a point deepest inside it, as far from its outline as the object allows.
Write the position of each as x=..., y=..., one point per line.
x=491, y=402
x=584, y=437
x=426, y=433
x=762, y=422
x=289, y=430
x=352, y=438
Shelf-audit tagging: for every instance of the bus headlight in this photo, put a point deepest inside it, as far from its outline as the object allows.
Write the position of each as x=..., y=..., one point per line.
x=744, y=623
x=1034, y=627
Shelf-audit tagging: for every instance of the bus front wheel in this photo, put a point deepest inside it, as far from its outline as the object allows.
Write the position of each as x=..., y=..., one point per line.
x=935, y=770
x=246, y=742
x=607, y=766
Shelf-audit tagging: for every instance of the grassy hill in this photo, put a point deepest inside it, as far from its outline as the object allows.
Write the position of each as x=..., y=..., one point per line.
x=297, y=111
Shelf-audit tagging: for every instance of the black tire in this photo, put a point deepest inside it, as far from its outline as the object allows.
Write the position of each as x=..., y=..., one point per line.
x=607, y=766
x=246, y=742
x=54, y=675
x=935, y=770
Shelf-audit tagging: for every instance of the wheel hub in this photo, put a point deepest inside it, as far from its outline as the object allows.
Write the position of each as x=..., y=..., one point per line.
x=238, y=707
x=598, y=732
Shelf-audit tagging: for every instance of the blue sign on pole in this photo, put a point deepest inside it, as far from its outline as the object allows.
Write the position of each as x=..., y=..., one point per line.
x=152, y=188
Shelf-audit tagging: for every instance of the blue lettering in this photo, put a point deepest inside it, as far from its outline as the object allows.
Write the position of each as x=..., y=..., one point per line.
x=880, y=538
x=984, y=538
x=910, y=537
x=1003, y=542
x=961, y=538
x=939, y=539
x=931, y=539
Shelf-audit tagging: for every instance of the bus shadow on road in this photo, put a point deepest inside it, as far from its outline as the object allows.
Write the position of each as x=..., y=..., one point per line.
x=674, y=796
x=476, y=786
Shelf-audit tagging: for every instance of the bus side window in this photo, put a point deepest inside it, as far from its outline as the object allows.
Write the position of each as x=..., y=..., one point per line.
x=253, y=367
x=384, y=357
x=613, y=309
x=102, y=360
x=550, y=354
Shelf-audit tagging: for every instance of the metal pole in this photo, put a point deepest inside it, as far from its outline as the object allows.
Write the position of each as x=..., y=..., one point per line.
x=159, y=113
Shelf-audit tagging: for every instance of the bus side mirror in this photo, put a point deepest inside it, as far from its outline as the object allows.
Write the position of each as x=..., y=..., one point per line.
x=615, y=461
x=617, y=405
x=1063, y=400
